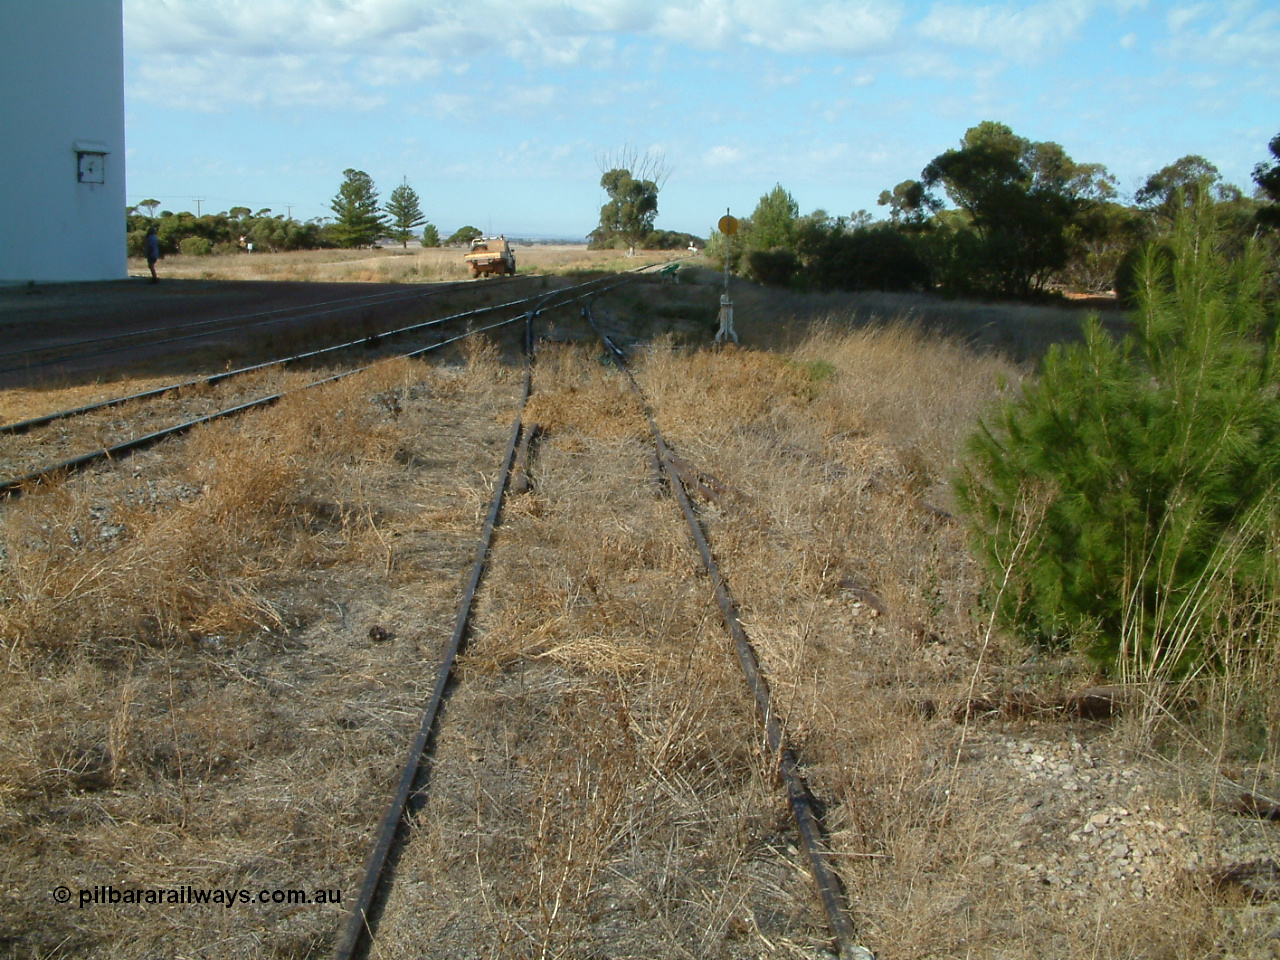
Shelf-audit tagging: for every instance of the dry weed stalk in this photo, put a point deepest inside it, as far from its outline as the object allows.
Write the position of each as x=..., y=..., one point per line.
x=186, y=639
x=601, y=788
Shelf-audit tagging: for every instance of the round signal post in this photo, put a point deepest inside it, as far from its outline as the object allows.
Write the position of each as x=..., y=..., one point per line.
x=728, y=226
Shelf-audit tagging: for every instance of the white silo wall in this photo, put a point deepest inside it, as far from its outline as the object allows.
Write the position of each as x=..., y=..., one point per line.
x=61, y=91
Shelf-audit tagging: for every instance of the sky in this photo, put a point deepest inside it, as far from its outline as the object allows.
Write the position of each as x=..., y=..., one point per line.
x=500, y=113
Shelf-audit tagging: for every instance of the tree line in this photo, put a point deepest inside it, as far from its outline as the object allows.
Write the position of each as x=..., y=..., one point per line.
x=359, y=221
x=998, y=216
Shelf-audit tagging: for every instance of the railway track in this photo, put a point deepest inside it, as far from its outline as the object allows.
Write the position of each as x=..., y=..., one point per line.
x=138, y=440
x=218, y=662
x=360, y=935
x=680, y=766
x=39, y=357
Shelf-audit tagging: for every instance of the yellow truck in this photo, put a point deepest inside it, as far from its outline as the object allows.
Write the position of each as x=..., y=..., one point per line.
x=490, y=255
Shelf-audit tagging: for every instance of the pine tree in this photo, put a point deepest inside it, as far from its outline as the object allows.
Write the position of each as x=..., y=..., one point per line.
x=1135, y=477
x=359, y=221
x=405, y=211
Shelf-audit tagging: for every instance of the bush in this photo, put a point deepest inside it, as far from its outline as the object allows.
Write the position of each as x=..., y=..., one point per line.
x=775, y=267
x=195, y=247
x=135, y=242
x=868, y=258
x=1127, y=500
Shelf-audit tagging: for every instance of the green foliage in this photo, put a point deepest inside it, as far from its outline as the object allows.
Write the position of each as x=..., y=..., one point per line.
x=430, y=236
x=630, y=213
x=195, y=247
x=1182, y=184
x=224, y=232
x=779, y=247
x=1125, y=498
x=1267, y=177
x=818, y=371
x=775, y=267
x=359, y=221
x=463, y=236
x=718, y=246
x=405, y=210
x=1098, y=240
x=670, y=240
x=774, y=222
x=910, y=204
x=865, y=258
x=1020, y=198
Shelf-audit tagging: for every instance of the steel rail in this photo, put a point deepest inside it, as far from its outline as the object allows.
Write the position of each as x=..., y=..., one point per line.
x=397, y=296
x=362, y=918
x=803, y=807
x=23, y=426
x=14, y=487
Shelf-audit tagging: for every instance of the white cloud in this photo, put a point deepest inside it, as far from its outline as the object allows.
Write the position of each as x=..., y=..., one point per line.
x=214, y=81
x=1181, y=17
x=1019, y=32
x=832, y=27
x=196, y=53
x=390, y=71
x=723, y=156
x=1240, y=32
x=774, y=79
x=1129, y=41
x=542, y=30
x=843, y=27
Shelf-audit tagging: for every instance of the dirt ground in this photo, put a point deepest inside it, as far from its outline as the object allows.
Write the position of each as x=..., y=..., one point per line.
x=214, y=655
x=51, y=321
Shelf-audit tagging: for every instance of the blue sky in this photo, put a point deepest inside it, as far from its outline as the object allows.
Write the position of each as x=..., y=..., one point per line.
x=499, y=111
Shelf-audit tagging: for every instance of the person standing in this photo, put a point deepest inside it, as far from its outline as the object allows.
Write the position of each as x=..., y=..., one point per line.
x=151, y=247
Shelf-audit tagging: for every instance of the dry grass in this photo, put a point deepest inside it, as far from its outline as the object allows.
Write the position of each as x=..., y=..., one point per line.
x=192, y=694
x=597, y=791
x=945, y=849
x=1022, y=333
x=191, y=642
x=417, y=264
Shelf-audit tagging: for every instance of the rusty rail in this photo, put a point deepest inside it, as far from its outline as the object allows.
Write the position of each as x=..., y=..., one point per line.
x=803, y=806
x=14, y=486
x=362, y=918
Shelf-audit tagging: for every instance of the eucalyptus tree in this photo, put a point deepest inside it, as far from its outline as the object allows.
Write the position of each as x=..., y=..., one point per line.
x=632, y=182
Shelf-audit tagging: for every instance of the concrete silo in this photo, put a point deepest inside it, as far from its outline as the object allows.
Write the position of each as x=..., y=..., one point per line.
x=62, y=196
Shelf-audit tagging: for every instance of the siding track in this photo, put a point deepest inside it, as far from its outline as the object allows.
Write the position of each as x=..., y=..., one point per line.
x=15, y=484
x=360, y=936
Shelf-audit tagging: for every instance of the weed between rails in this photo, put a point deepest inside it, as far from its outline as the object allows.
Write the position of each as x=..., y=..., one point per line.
x=191, y=640
x=599, y=788
x=945, y=847
x=600, y=785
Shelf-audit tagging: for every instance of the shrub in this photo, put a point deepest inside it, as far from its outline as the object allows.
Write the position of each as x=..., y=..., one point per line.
x=1128, y=498
x=195, y=247
x=775, y=267
x=868, y=258
x=135, y=242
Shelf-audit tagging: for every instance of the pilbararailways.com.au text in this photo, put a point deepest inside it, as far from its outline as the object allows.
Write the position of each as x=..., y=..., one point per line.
x=110, y=895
